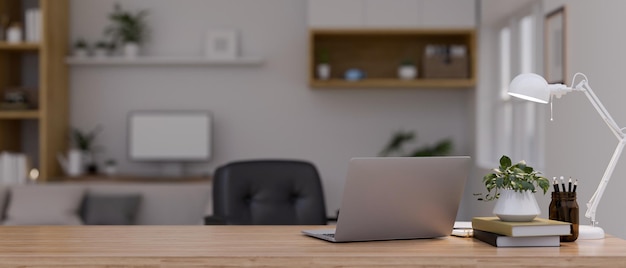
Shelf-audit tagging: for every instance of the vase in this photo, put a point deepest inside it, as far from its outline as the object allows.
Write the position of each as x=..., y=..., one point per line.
x=131, y=50
x=323, y=71
x=516, y=206
x=407, y=72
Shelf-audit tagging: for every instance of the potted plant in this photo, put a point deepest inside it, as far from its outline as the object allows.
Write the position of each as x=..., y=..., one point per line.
x=395, y=146
x=514, y=185
x=128, y=29
x=102, y=49
x=323, y=65
x=407, y=70
x=84, y=141
x=110, y=167
x=81, y=48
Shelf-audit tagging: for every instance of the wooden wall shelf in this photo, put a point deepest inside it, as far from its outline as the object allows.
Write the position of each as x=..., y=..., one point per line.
x=163, y=61
x=26, y=114
x=378, y=52
x=19, y=46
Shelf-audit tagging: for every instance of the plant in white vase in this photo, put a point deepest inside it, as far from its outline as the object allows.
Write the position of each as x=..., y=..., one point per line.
x=514, y=186
x=81, y=48
x=102, y=49
x=407, y=70
x=323, y=65
x=128, y=30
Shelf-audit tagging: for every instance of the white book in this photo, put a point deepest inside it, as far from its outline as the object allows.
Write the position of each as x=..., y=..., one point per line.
x=21, y=168
x=29, y=25
x=37, y=25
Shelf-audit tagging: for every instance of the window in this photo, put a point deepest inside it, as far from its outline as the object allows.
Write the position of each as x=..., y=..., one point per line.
x=508, y=126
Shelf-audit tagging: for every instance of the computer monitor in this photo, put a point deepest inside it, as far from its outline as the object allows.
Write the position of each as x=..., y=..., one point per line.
x=169, y=137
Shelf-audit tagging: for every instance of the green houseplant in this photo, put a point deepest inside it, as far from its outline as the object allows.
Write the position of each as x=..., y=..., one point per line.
x=395, y=146
x=128, y=29
x=514, y=186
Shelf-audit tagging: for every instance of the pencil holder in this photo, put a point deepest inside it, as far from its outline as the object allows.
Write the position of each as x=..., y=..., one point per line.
x=564, y=207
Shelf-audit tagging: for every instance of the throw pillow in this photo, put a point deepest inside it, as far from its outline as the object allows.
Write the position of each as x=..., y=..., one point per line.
x=44, y=205
x=110, y=209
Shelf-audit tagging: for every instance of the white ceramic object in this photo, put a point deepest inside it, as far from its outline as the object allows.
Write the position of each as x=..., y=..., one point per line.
x=72, y=164
x=14, y=34
x=131, y=50
x=110, y=169
x=101, y=53
x=323, y=71
x=407, y=72
x=80, y=53
x=516, y=206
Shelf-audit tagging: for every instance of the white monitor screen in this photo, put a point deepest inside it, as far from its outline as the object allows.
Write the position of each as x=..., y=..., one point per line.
x=169, y=136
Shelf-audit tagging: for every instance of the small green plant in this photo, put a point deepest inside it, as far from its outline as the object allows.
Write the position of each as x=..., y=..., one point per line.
x=127, y=27
x=110, y=162
x=84, y=140
x=323, y=56
x=518, y=177
x=102, y=45
x=81, y=44
x=407, y=62
x=396, y=144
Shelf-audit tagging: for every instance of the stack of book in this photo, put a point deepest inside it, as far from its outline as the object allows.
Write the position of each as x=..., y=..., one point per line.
x=537, y=233
x=13, y=168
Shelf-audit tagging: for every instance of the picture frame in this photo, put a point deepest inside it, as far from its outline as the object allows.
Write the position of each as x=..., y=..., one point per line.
x=221, y=44
x=555, y=46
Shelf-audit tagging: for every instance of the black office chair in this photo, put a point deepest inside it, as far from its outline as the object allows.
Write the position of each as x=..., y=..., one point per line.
x=267, y=192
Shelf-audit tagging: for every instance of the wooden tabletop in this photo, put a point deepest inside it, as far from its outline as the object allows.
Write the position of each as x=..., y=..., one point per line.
x=274, y=246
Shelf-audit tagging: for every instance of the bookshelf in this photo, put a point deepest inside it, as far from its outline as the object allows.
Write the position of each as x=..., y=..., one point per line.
x=39, y=69
x=378, y=53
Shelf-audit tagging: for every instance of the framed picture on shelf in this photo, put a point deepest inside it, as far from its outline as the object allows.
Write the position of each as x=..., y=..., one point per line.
x=555, y=46
x=221, y=44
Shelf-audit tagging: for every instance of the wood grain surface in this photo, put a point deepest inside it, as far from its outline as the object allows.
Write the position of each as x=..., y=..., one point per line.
x=274, y=246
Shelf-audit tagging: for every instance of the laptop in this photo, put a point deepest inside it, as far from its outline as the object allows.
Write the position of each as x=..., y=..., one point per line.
x=388, y=198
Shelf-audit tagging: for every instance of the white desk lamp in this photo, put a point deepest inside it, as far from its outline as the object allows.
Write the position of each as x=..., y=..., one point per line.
x=535, y=88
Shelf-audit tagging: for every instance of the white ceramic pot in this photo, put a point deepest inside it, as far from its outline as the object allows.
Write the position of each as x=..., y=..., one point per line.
x=323, y=71
x=516, y=206
x=101, y=52
x=131, y=50
x=110, y=169
x=407, y=72
x=80, y=53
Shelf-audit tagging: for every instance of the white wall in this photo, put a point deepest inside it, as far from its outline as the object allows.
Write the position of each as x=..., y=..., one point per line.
x=260, y=112
x=578, y=143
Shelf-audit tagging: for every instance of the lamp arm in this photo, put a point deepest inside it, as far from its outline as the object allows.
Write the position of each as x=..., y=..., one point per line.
x=592, y=205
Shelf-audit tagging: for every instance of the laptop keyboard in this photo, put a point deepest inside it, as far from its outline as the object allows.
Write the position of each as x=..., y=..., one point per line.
x=329, y=235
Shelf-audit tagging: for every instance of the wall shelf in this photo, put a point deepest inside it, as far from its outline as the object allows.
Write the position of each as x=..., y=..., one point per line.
x=394, y=83
x=21, y=114
x=378, y=52
x=19, y=46
x=191, y=61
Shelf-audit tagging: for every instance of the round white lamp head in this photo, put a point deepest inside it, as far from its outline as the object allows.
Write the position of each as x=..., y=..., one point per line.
x=530, y=86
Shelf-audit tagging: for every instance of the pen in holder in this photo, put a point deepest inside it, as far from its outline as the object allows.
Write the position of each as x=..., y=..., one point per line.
x=564, y=207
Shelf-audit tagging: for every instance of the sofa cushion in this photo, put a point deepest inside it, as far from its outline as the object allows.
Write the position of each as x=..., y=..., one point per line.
x=110, y=209
x=164, y=203
x=44, y=205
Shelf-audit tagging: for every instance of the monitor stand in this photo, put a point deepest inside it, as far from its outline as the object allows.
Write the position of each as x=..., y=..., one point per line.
x=172, y=169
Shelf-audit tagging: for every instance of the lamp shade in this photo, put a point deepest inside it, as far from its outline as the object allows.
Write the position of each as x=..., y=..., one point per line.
x=530, y=86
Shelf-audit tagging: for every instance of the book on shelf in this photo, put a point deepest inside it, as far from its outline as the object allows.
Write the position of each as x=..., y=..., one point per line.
x=536, y=227
x=498, y=240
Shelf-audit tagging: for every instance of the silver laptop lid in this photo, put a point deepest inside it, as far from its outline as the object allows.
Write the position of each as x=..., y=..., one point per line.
x=401, y=197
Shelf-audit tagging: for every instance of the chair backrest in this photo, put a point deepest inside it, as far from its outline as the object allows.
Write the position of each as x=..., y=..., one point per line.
x=268, y=192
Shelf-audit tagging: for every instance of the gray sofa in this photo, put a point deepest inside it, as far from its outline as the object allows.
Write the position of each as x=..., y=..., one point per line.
x=106, y=203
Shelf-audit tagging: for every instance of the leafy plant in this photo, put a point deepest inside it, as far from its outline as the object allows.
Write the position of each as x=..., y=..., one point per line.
x=103, y=45
x=127, y=27
x=518, y=177
x=396, y=144
x=84, y=140
x=323, y=56
x=407, y=62
x=81, y=44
